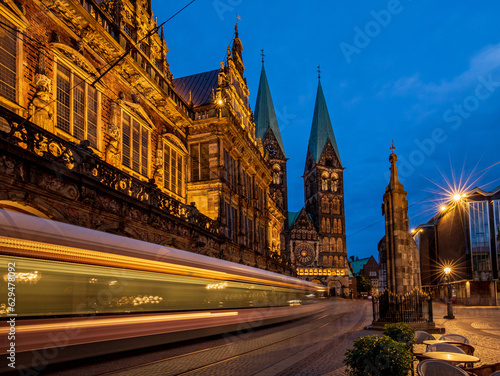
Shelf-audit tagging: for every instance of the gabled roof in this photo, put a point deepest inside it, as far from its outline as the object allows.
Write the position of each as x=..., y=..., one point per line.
x=292, y=217
x=321, y=129
x=264, y=115
x=200, y=85
x=357, y=265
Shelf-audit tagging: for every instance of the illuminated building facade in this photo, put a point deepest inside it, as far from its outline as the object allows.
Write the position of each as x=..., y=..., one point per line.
x=124, y=147
x=464, y=236
x=317, y=232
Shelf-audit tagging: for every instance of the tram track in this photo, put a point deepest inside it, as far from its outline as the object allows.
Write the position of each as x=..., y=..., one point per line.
x=233, y=351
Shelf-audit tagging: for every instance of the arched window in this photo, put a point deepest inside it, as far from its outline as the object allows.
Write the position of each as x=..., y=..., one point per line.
x=341, y=262
x=330, y=260
x=324, y=181
x=325, y=205
x=325, y=261
x=334, y=185
x=328, y=226
x=336, y=261
x=339, y=226
x=325, y=245
x=332, y=245
x=340, y=245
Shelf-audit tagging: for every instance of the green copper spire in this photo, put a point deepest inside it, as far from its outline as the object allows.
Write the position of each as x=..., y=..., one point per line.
x=265, y=116
x=321, y=129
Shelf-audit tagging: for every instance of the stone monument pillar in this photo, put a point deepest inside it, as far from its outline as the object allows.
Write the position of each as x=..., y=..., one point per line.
x=400, y=251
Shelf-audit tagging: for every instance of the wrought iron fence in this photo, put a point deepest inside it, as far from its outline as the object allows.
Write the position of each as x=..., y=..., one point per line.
x=413, y=307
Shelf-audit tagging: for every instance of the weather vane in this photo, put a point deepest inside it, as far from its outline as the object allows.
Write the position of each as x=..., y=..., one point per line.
x=319, y=72
x=392, y=146
x=262, y=54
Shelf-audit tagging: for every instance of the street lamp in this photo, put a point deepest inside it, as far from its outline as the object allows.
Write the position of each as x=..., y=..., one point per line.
x=447, y=272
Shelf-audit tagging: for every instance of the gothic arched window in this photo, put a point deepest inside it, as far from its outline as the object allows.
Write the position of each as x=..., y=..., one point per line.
x=334, y=184
x=332, y=245
x=324, y=181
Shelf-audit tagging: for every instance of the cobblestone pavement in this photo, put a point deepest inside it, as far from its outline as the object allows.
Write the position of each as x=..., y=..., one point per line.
x=480, y=324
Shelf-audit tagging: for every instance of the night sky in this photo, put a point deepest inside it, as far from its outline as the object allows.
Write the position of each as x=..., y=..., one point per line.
x=424, y=73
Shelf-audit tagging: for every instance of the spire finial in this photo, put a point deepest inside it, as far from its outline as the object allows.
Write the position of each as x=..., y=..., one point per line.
x=262, y=55
x=319, y=73
x=392, y=147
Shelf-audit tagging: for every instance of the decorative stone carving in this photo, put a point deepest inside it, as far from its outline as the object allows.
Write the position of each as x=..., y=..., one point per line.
x=112, y=150
x=40, y=108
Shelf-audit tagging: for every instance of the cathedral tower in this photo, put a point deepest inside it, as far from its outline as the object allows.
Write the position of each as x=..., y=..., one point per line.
x=267, y=129
x=324, y=187
x=324, y=205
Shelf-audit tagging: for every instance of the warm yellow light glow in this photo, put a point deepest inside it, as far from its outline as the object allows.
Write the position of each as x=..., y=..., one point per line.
x=457, y=197
x=219, y=102
x=413, y=230
x=443, y=208
x=447, y=270
x=121, y=321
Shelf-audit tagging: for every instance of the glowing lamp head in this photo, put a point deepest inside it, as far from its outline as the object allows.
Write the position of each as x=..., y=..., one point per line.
x=457, y=197
x=413, y=230
x=219, y=102
x=443, y=208
x=447, y=270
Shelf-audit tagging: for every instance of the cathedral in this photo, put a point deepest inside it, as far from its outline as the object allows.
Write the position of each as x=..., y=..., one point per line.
x=96, y=131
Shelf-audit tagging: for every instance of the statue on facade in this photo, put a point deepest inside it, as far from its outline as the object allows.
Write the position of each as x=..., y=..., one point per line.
x=112, y=151
x=40, y=108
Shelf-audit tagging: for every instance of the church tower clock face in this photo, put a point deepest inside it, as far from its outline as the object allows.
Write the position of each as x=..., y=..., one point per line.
x=304, y=254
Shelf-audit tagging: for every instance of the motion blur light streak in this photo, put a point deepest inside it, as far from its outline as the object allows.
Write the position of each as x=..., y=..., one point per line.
x=96, y=322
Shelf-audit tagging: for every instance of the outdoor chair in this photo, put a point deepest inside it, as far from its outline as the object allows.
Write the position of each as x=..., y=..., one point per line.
x=421, y=336
x=455, y=337
x=435, y=367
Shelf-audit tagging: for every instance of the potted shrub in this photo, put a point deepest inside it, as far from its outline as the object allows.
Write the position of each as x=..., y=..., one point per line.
x=376, y=356
x=401, y=332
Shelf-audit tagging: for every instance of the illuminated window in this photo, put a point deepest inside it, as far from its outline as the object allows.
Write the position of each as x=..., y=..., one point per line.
x=77, y=104
x=8, y=60
x=200, y=163
x=135, y=145
x=173, y=169
x=479, y=236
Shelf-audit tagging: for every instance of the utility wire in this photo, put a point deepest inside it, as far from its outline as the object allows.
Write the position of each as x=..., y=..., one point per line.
x=425, y=199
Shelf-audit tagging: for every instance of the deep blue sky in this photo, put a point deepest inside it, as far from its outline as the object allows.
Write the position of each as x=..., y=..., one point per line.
x=430, y=72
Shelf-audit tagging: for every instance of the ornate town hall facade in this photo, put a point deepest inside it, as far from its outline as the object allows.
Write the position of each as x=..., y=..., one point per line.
x=95, y=131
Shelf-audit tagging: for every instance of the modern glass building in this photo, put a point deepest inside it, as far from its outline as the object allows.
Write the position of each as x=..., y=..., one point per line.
x=465, y=236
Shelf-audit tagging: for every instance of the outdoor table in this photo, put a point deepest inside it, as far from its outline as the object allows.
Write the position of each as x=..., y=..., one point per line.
x=433, y=341
x=450, y=357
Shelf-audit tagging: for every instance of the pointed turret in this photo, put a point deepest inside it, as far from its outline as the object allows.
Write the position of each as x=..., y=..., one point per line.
x=321, y=130
x=265, y=116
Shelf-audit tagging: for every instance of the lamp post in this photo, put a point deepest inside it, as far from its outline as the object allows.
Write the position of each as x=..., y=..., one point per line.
x=450, y=316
